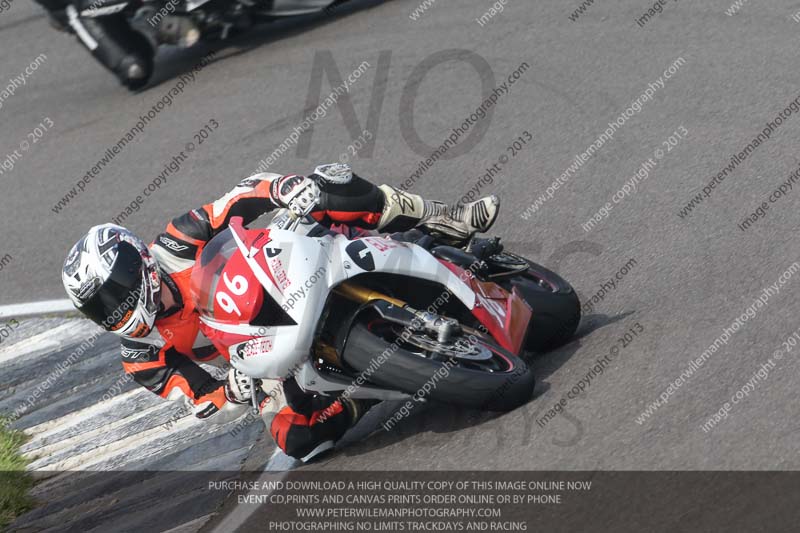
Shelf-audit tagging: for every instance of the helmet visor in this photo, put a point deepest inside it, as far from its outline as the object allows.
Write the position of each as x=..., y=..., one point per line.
x=115, y=301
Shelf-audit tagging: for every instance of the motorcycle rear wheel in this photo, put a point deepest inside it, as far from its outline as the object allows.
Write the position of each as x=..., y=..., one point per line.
x=502, y=383
x=556, y=307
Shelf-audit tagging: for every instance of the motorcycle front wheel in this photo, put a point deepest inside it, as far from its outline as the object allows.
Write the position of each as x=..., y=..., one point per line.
x=471, y=371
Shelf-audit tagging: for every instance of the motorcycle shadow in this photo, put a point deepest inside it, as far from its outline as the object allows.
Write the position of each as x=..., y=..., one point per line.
x=171, y=62
x=545, y=364
x=389, y=423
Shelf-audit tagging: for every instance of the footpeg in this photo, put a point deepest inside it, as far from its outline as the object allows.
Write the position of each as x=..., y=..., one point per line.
x=483, y=249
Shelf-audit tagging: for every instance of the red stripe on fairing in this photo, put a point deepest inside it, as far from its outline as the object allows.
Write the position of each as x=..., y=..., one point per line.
x=223, y=340
x=518, y=314
x=261, y=256
x=495, y=328
x=508, y=338
x=261, y=259
x=462, y=274
x=249, y=238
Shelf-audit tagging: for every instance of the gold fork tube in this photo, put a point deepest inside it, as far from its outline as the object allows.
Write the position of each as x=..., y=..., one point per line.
x=360, y=294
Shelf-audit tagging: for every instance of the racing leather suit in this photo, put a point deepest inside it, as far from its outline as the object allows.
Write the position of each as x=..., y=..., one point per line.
x=108, y=37
x=166, y=361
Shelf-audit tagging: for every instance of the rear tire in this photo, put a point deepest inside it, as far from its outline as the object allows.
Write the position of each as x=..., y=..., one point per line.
x=409, y=372
x=556, y=307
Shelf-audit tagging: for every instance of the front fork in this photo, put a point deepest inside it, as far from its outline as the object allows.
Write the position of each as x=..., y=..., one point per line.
x=396, y=310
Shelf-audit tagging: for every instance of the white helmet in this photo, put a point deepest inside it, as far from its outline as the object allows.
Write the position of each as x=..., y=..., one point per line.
x=112, y=278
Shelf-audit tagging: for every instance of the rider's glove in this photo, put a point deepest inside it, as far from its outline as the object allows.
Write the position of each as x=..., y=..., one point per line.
x=238, y=390
x=218, y=406
x=298, y=193
x=238, y=387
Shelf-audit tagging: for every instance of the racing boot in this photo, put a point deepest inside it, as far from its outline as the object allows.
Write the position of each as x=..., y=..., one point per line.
x=457, y=224
x=311, y=424
x=352, y=411
x=452, y=225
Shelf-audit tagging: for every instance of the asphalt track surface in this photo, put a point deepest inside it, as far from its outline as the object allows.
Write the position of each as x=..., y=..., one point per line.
x=693, y=276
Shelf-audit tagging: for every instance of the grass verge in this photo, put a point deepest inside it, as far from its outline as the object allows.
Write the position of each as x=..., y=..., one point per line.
x=15, y=482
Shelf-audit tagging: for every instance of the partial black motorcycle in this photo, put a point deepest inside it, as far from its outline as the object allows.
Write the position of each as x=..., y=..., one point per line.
x=123, y=35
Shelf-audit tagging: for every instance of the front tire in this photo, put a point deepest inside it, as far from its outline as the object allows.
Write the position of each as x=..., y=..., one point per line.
x=396, y=366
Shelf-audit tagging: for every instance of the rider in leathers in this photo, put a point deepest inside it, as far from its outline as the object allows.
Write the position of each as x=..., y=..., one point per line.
x=106, y=34
x=142, y=292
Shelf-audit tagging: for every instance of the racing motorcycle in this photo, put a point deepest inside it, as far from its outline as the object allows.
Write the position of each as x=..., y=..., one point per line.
x=378, y=316
x=139, y=27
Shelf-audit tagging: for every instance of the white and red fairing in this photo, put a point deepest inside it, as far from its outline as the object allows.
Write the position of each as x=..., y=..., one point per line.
x=261, y=292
